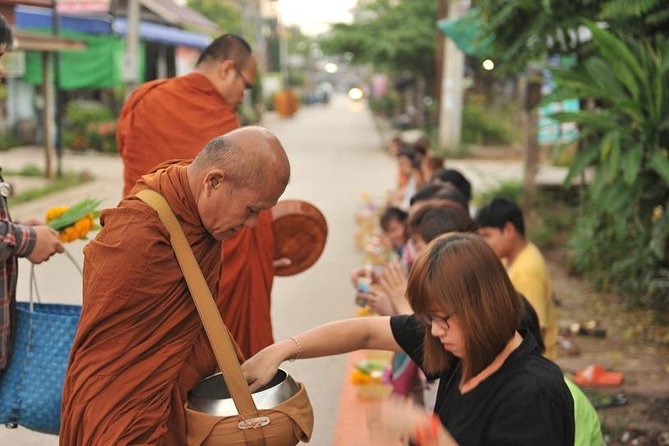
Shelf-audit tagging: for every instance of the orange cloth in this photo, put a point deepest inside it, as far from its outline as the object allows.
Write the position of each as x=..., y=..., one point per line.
x=175, y=118
x=140, y=345
x=168, y=119
x=246, y=285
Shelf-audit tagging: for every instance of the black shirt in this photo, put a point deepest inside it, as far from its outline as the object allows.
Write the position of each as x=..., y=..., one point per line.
x=525, y=402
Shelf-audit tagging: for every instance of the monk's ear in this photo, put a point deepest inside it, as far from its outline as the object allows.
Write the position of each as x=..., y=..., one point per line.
x=226, y=68
x=213, y=181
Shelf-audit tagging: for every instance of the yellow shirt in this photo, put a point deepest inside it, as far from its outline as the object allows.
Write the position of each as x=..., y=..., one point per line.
x=529, y=275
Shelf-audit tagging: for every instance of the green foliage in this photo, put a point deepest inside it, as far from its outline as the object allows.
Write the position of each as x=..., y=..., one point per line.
x=222, y=12
x=641, y=17
x=484, y=126
x=89, y=125
x=29, y=170
x=385, y=105
x=552, y=216
x=8, y=140
x=391, y=35
x=622, y=238
x=528, y=30
x=509, y=189
x=295, y=78
x=58, y=184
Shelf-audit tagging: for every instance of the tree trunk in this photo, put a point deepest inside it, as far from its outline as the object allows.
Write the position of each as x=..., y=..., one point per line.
x=530, y=89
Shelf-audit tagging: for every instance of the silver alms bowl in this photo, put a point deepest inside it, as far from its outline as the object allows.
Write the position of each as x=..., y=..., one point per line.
x=211, y=395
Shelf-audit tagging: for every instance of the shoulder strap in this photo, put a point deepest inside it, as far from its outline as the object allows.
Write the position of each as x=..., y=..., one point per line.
x=217, y=332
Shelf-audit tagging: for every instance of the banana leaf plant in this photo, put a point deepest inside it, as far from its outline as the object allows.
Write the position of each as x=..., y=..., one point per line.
x=625, y=138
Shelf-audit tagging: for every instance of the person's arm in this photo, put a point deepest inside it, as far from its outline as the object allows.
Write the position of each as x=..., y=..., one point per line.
x=35, y=241
x=400, y=418
x=324, y=340
x=16, y=240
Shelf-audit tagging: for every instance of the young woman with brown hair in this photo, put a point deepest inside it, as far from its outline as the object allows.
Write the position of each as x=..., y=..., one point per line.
x=495, y=387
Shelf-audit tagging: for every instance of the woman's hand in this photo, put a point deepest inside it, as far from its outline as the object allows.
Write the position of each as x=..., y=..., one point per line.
x=398, y=419
x=361, y=272
x=378, y=301
x=394, y=282
x=261, y=367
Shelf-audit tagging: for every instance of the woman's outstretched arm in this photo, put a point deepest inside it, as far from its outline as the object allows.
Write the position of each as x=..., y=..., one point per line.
x=328, y=339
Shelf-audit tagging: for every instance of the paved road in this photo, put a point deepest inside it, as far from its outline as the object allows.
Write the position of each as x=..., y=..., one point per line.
x=336, y=154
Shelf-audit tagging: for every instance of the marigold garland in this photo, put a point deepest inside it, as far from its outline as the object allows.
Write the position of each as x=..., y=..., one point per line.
x=73, y=223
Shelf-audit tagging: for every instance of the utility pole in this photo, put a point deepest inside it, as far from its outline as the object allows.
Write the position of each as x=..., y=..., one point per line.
x=452, y=88
x=131, y=46
x=58, y=103
x=439, y=69
x=48, y=115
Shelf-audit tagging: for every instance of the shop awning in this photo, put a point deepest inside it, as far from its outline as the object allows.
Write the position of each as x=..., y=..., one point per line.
x=36, y=18
x=152, y=32
x=27, y=41
x=40, y=18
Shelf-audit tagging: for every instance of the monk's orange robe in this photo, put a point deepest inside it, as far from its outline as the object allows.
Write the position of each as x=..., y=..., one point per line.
x=169, y=119
x=140, y=345
x=176, y=118
x=246, y=285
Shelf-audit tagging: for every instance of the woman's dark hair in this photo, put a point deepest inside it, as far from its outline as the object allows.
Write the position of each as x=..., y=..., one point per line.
x=411, y=155
x=461, y=275
x=392, y=213
x=434, y=191
x=457, y=179
x=422, y=145
x=500, y=211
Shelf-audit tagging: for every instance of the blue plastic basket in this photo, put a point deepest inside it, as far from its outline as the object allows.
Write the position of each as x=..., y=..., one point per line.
x=31, y=387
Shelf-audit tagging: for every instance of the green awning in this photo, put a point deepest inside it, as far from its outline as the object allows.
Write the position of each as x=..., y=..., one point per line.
x=468, y=33
x=99, y=66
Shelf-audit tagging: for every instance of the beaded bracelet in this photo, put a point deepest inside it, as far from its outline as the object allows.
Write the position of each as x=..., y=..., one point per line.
x=427, y=433
x=299, y=349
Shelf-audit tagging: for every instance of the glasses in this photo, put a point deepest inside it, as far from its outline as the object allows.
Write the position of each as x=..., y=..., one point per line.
x=429, y=319
x=247, y=85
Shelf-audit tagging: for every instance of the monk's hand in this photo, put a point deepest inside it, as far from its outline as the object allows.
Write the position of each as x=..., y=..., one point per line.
x=261, y=367
x=282, y=262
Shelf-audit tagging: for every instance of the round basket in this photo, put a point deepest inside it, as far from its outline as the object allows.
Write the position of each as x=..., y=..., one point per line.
x=300, y=232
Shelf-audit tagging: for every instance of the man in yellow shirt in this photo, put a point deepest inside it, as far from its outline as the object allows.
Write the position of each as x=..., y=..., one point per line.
x=502, y=225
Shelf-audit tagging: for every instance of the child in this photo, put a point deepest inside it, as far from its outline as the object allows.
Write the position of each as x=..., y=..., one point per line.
x=502, y=225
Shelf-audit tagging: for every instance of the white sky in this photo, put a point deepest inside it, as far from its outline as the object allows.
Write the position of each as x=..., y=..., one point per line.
x=315, y=16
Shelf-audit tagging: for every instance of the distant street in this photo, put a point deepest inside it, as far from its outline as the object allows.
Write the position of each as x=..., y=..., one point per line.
x=336, y=155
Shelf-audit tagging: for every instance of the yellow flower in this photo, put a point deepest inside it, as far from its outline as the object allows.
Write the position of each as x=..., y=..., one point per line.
x=55, y=212
x=83, y=226
x=73, y=222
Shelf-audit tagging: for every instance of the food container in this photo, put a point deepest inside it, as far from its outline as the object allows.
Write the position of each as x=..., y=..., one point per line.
x=211, y=395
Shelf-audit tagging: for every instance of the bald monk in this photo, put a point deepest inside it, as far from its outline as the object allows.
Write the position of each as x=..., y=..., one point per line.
x=140, y=345
x=173, y=118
